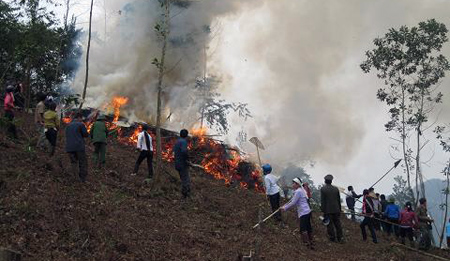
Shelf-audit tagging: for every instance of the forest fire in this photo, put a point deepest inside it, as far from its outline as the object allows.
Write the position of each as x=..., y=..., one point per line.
x=217, y=159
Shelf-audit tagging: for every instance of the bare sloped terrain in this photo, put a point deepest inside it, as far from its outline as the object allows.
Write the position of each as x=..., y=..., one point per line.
x=47, y=214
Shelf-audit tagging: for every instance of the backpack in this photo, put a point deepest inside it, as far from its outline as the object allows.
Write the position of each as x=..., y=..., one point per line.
x=393, y=212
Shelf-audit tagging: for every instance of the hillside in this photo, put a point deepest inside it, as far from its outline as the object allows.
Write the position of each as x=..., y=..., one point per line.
x=47, y=214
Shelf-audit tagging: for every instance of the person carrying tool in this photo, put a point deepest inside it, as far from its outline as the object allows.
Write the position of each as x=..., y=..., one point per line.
x=331, y=208
x=51, y=126
x=300, y=199
x=424, y=225
x=180, y=150
x=75, y=146
x=9, y=111
x=99, y=134
x=145, y=146
x=392, y=215
x=351, y=200
x=368, y=213
x=408, y=221
x=272, y=190
x=39, y=120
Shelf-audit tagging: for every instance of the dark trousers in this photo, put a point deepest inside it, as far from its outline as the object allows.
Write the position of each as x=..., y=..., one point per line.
x=145, y=154
x=52, y=135
x=99, y=153
x=352, y=211
x=368, y=221
x=407, y=232
x=80, y=157
x=275, y=204
x=335, y=227
x=392, y=228
x=185, y=181
x=9, y=115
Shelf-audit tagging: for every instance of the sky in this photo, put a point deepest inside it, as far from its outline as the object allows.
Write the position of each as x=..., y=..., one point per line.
x=296, y=64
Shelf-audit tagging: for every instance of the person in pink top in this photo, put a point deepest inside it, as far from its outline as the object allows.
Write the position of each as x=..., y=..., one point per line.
x=9, y=110
x=300, y=200
x=408, y=221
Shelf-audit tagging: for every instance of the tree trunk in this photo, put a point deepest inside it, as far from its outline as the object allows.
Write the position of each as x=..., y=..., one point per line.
x=405, y=155
x=87, y=57
x=444, y=223
x=158, y=172
x=28, y=85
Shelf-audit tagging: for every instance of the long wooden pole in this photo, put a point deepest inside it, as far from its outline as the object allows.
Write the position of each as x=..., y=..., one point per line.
x=264, y=220
x=87, y=56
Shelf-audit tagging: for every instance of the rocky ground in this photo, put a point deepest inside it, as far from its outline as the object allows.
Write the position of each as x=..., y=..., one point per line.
x=47, y=214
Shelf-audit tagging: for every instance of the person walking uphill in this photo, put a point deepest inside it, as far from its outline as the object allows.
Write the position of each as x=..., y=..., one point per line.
x=272, y=190
x=99, y=134
x=331, y=208
x=51, y=126
x=145, y=146
x=9, y=111
x=300, y=199
x=75, y=146
x=180, y=150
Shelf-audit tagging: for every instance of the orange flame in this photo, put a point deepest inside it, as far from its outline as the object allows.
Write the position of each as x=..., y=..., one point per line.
x=67, y=120
x=117, y=102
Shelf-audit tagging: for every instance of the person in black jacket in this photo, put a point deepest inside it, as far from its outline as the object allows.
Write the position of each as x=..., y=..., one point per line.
x=350, y=200
x=331, y=208
x=180, y=150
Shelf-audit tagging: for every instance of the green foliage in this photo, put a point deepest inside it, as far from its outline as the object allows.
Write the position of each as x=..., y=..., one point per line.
x=401, y=192
x=291, y=172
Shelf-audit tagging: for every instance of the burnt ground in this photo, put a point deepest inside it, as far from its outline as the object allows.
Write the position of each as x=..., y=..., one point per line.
x=47, y=214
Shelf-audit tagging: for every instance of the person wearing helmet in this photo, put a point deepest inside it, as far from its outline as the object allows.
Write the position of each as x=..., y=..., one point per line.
x=392, y=215
x=99, y=134
x=331, y=208
x=272, y=190
x=300, y=199
x=408, y=221
x=51, y=126
x=9, y=111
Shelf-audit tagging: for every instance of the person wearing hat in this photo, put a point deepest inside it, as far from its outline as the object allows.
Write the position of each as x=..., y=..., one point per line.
x=368, y=213
x=408, y=221
x=145, y=146
x=392, y=215
x=99, y=134
x=300, y=199
x=181, y=152
x=272, y=190
x=9, y=111
x=331, y=208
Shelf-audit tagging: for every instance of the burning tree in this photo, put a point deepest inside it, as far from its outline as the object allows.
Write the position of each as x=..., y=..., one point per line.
x=410, y=63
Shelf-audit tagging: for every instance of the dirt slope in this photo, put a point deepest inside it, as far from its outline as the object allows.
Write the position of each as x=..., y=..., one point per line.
x=47, y=214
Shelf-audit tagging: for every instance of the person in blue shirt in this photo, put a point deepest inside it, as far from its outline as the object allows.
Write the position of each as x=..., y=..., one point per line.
x=392, y=215
x=448, y=233
x=180, y=150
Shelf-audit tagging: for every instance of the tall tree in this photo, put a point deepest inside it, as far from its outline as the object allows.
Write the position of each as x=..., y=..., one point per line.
x=410, y=63
x=445, y=144
x=87, y=56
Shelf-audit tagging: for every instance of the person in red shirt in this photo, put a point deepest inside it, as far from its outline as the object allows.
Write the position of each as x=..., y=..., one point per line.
x=408, y=221
x=9, y=110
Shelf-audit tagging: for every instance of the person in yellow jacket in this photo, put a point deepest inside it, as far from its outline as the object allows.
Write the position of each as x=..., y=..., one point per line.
x=51, y=126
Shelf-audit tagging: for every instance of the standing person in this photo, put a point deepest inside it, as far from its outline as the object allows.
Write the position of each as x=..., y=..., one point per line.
x=351, y=200
x=384, y=204
x=447, y=228
x=75, y=146
x=368, y=211
x=408, y=220
x=392, y=215
x=300, y=199
x=424, y=225
x=145, y=146
x=376, y=209
x=39, y=120
x=9, y=111
x=331, y=208
x=272, y=190
x=99, y=134
x=51, y=125
x=180, y=150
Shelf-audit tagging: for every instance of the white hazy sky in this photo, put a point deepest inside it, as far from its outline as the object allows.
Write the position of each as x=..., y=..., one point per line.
x=332, y=37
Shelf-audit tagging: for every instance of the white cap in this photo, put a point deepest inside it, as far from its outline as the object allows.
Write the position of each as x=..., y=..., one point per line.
x=298, y=181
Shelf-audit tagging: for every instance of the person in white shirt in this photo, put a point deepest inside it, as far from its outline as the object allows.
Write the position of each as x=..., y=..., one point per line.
x=145, y=146
x=272, y=190
x=300, y=199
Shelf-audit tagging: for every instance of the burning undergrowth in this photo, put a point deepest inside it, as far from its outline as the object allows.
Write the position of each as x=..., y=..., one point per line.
x=213, y=156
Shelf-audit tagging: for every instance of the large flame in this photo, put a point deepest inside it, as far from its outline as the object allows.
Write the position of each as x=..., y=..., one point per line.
x=117, y=102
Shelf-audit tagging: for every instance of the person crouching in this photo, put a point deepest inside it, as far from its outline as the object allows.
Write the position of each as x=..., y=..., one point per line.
x=300, y=199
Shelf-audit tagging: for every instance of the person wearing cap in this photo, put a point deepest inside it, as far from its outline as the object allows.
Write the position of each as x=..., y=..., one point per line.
x=51, y=126
x=9, y=111
x=145, y=146
x=300, y=199
x=272, y=190
x=75, y=146
x=99, y=134
x=424, y=224
x=181, y=152
x=350, y=200
x=331, y=208
x=368, y=213
x=408, y=221
x=392, y=215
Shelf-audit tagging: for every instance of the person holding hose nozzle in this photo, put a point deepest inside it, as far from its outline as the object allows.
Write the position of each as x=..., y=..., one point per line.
x=272, y=190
